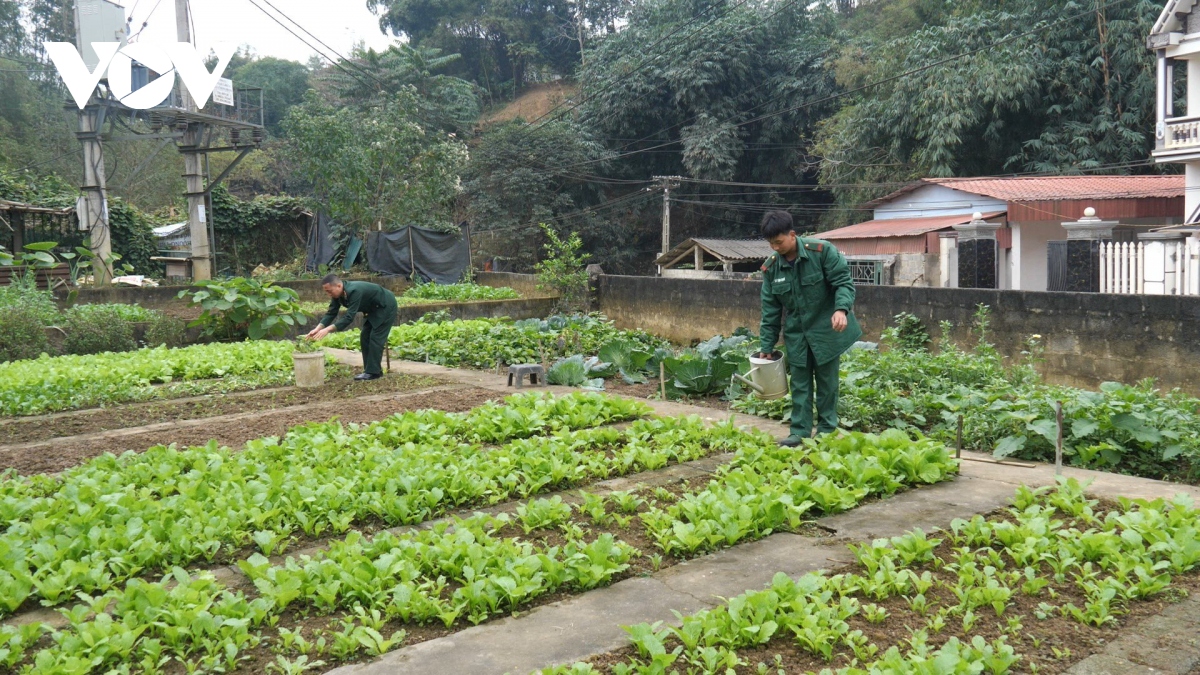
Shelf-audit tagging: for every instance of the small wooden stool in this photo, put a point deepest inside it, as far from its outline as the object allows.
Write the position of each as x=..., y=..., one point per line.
x=536, y=373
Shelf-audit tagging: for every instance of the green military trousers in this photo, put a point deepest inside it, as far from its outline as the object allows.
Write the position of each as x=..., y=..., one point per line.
x=373, y=338
x=805, y=372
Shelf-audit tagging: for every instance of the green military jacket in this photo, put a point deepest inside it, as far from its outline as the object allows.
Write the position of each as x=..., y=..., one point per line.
x=817, y=284
x=359, y=296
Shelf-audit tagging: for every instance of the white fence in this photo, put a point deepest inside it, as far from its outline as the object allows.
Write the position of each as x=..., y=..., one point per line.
x=1152, y=267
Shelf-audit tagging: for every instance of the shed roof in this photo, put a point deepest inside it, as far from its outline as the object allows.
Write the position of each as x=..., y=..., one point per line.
x=900, y=227
x=1051, y=188
x=1171, y=18
x=725, y=250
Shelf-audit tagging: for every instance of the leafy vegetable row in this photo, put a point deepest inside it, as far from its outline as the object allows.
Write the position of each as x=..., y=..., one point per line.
x=70, y=382
x=408, y=576
x=482, y=343
x=768, y=487
x=114, y=517
x=1127, y=554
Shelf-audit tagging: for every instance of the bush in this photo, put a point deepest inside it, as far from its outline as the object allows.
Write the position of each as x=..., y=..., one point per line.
x=241, y=307
x=564, y=270
x=165, y=331
x=25, y=294
x=22, y=334
x=92, y=329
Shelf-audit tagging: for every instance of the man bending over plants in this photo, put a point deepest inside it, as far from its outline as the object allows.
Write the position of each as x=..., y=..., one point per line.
x=811, y=280
x=378, y=306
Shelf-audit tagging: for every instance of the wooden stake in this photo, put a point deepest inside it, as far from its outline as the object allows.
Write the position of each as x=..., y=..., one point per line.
x=1058, y=445
x=958, y=442
x=662, y=379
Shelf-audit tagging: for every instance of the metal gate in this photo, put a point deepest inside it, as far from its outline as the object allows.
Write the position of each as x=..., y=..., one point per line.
x=867, y=272
x=1056, y=265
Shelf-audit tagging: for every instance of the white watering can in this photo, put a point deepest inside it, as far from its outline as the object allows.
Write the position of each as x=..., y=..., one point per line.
x=767, y=378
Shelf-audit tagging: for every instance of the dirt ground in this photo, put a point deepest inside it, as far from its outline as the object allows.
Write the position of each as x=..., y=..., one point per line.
x=45, y=427
x=58, y=454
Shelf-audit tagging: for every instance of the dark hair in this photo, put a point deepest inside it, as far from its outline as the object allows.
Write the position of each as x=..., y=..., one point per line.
x=775, y=223
x=330, y=279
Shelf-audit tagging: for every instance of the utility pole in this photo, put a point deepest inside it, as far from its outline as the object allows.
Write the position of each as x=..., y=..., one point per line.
x=190, y=147
x=92, y=210
x=667, y=183
x=94, y=215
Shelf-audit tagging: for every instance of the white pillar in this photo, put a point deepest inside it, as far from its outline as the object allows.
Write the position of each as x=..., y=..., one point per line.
x=1015, y=261
x=1191, y=196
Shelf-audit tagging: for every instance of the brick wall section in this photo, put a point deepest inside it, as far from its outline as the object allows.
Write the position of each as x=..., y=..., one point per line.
x=1089, y=337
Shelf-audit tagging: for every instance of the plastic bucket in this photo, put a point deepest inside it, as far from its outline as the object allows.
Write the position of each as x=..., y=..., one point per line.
x=310, y=368
x=767, y=378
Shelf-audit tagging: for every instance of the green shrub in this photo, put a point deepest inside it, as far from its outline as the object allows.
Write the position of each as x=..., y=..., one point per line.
x=241, y=307
x=165, y=330
x=92, y=329
x=25, y=294
x=22, y=334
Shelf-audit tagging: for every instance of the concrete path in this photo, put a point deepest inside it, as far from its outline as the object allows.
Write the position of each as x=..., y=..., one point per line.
x=590, y=624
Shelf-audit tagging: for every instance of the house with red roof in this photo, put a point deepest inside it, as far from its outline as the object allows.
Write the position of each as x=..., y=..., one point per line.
x=915, y=230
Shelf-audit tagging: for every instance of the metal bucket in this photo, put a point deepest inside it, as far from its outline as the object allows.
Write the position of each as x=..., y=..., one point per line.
x=767, y=378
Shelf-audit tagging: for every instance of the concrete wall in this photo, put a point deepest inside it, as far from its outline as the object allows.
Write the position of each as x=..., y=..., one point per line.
x=525, y=284
x=161, y=297
x=1089, y=337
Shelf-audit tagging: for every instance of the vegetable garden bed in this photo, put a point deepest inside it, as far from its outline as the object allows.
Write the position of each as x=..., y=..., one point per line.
x=206, y=506
x=60, y=454
x=1031, y=589
x=51, y=384
x=339, y=386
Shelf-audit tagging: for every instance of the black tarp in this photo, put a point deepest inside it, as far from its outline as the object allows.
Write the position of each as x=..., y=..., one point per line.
x=435, y=256
x=321, y=249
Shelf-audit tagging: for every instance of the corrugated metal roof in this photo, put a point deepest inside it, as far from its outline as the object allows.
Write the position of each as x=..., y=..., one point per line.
x=1049, y=188
x=725, y=250
x=899, y=227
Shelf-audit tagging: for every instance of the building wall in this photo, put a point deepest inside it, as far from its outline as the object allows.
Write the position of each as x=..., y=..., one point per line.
x=937, y=200
x=1034, y=238
x=1089, y=337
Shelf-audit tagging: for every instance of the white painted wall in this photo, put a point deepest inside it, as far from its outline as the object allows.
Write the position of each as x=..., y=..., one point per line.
x=1033, y=239
x=1014, y=258
x=937, y=200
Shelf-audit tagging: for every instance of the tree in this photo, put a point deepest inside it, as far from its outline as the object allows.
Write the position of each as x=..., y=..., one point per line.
x=283, y=83
x=444, y=102
x=375, y=163
x=510, y=193
x=1077, y=96
x=501, y=41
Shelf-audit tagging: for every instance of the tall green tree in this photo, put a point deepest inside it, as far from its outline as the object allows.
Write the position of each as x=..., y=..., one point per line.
x=1076, y=96
x=501, y=41
x=283, y=83
x=375, y=164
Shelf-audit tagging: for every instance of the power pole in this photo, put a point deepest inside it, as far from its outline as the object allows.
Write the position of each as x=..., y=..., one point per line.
x=94, y=215
x=667, y=183
x=93, y=207
x=190, y=148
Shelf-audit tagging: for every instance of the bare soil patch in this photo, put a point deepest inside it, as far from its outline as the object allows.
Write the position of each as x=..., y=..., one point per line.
x=45, y=427
x=60, y=454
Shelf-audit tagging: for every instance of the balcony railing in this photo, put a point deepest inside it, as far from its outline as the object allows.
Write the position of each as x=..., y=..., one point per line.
x=1181, y=133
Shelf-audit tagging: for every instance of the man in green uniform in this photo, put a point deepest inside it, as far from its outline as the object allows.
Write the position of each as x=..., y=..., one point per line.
x=378, y=306
x=809, y=279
